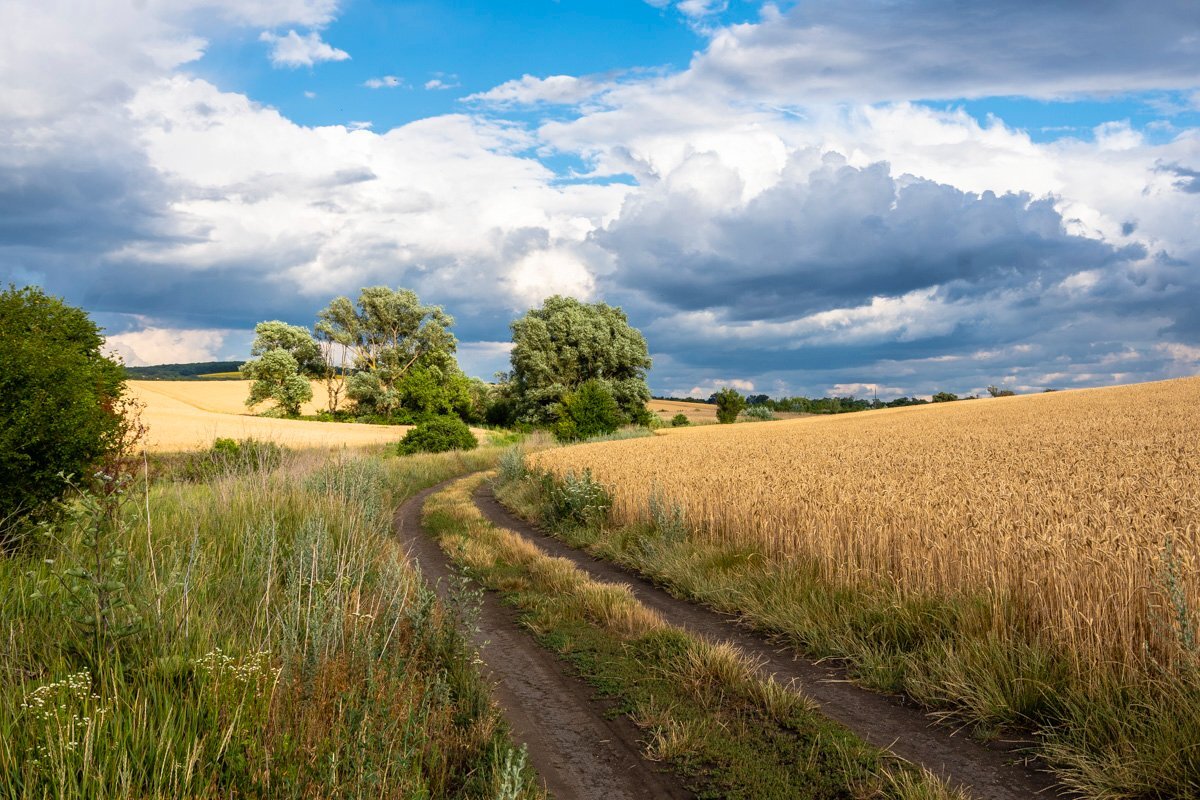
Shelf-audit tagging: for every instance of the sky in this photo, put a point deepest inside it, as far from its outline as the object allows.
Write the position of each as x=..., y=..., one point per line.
x=813, y=197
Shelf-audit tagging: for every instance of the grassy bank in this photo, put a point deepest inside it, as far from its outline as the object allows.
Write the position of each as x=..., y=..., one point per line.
x=1109, y=731
x=253, y=632
x=703, y=709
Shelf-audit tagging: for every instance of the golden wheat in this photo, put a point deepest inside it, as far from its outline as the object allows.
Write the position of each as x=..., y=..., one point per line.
x=1079, y=509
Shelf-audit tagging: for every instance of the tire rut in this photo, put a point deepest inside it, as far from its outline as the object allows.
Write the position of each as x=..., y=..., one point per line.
x=579, y=753
x=988, y=772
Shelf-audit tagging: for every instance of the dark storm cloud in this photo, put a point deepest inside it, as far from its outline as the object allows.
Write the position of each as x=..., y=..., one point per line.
x=1188, y=180
x=839, y=236
x=947, y=49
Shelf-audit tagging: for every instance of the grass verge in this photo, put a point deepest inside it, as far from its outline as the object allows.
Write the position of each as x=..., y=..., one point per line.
x=1106, y=733
x=247, y=632
x=702, y=706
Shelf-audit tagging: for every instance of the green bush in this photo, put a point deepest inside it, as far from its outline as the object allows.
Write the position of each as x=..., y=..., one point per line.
x=437, y=435
x=574, y=500
x=729, y=405
x=588, y=411
x=59, y=404
x=232, y=457
x=758, y=413
x=680, y=420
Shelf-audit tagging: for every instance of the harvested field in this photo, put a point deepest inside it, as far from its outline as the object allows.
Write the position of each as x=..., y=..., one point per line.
x=697, y=413
x=1077, y=511
x=188, y=415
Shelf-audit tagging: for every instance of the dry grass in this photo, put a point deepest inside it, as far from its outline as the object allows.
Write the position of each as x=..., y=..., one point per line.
x=1076, y=512
x=697, y=413
x=188, y=415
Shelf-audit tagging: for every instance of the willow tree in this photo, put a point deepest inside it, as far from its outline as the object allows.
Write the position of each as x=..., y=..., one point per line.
x=400, y=349
x=566, y=343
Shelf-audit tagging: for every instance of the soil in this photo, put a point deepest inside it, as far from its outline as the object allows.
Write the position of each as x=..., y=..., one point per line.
x=994, y=771
x=577, y=750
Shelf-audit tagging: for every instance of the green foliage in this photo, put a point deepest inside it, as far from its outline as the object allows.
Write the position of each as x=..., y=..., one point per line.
x=564, y=344
x=680, y=420
x=588, y=411
x=276, y=376
x=389, y=333
x=996, y=391
x=298, y=341
x=573, y=499
x=758, y=413
x=438, y=435
x=729, y=404
x=58, y=404
x=226, y=457
x=944, y=397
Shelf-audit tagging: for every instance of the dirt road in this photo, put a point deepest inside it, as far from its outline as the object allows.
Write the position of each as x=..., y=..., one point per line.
x=575, y=748
x=986, y=772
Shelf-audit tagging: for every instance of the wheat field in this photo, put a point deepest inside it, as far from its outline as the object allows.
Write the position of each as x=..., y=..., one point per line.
x=1079, y=509
x=189, y=415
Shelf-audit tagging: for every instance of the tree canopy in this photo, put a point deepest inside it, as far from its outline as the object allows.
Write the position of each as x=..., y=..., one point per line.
x=565, y=343
x=58, y=401
x=402, y=352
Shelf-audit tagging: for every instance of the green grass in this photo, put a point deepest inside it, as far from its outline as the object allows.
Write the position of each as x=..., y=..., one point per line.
x=1107, y=734
x=703, y=709
x=265, y=638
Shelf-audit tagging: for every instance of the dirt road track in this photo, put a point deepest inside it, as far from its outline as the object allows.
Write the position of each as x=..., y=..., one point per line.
x=579, y=753
x=988, y=773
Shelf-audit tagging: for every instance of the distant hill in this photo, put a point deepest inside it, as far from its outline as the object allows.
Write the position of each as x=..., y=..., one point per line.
x=186, y=372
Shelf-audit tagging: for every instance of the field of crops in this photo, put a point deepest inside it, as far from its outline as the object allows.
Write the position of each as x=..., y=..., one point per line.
x=187, y=415
x=1078, y=512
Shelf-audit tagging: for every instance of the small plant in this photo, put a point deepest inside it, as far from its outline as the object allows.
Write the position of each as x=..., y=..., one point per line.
x=438, y=435
x=512, y=466
x=574, y=499
x=680, y=421
x=233, y=457
x=667, y=517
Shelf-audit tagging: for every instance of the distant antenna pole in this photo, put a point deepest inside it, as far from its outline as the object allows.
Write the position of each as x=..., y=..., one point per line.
x=876, y=387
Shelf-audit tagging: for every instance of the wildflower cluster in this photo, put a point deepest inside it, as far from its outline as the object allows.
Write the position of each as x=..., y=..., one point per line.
x=68, y=710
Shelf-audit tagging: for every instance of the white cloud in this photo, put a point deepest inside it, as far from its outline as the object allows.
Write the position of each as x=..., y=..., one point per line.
x=555, y=89
x=294, y=50
x=157, y=345
x=385, y=82
x=442, y=81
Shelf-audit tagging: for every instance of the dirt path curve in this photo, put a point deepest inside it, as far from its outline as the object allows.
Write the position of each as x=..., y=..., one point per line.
x=988, y=773
x=578, y=752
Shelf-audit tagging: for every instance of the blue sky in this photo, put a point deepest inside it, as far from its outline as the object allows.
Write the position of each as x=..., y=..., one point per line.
x=807, y=197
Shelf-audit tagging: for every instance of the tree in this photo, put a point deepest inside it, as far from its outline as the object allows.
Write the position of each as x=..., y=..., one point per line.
x=729, y=405
x=564, y=344
x=996, y=391
x=59, y=404
x=945, y=397
x=297, y=341
x=388, y=333
x=277, y=377
x=438, y=435
x=588, y=411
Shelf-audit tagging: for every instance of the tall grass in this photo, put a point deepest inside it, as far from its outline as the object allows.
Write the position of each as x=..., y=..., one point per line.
x=283, y=648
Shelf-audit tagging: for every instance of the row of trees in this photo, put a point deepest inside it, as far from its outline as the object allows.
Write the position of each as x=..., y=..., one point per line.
x=386, y=357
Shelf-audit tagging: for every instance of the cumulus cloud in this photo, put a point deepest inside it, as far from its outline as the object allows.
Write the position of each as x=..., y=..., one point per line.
x=442, y=81
x=155, y=345
x=528, y=90
x=385, y=82
x=294, y=50
x=867, y=51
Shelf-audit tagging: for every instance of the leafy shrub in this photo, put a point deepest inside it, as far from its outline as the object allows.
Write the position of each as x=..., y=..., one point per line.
x=680, y=420
x=437, y=435
x=574, y=500
x=231, y=457
x=512, y=466
x=729, y=404
x=59, y=400
x=588, y=411
x=758, y=413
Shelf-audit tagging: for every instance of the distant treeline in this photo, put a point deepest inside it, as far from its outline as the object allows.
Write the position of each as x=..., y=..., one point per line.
x=180, y=372
x=824, y=405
